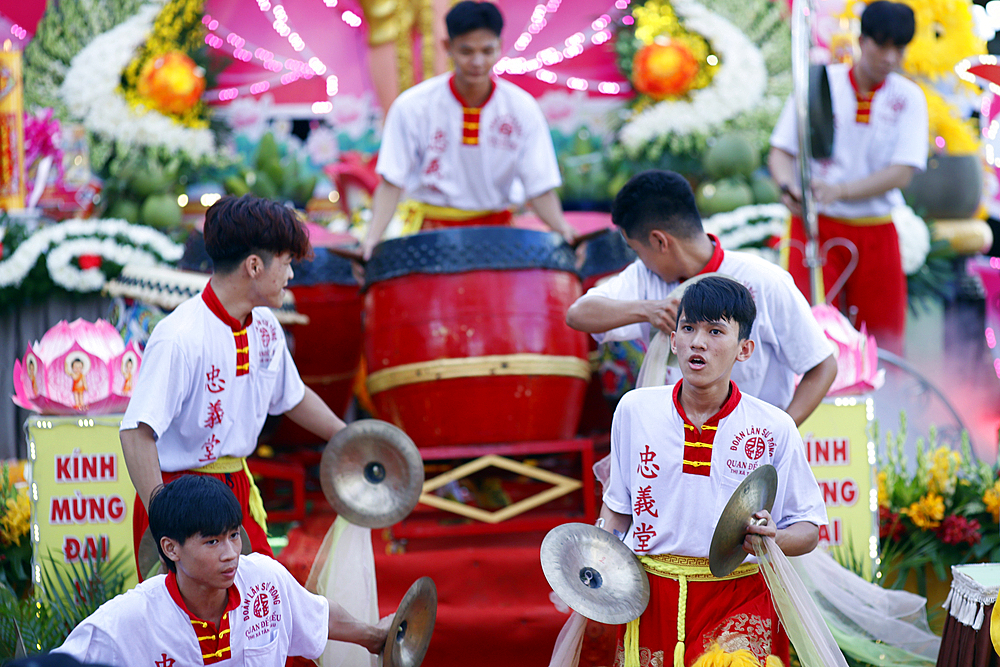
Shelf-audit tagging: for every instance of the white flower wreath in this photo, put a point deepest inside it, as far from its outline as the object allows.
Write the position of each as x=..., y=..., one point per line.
x=63, y=242
x=90, y=91
x=738, y=85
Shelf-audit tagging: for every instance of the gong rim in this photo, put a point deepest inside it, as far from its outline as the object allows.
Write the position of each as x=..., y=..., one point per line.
x=755, y=493
x=412, y=626
x=594, y=573
x=372, y=473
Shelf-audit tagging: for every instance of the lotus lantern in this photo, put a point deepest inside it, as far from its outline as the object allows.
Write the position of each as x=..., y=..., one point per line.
x=856, y=353
x=77, y=368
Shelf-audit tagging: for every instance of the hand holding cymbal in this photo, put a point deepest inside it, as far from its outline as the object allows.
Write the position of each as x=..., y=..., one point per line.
x=412, y=626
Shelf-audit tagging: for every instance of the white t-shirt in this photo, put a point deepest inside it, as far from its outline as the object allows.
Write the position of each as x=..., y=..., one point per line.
x=674, y=511
x=270, y=616
x=787, y=339
x=896, y=134
x=190, y=392
x=422, y=148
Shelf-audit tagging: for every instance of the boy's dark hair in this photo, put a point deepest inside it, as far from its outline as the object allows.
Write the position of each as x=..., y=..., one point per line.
x=237, y=227
x=467, y=16
x=714, y=299
x=656, y=200
x=192, y=505
x=888, y=22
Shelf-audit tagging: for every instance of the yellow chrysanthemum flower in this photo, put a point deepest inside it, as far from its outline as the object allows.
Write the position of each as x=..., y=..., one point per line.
x=928, y=512
x=992, y=501
x=16, y=520
x=883, y=491
x=944, y=471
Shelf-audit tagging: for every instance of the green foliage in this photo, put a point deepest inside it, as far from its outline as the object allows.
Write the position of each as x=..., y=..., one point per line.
x=935, y=280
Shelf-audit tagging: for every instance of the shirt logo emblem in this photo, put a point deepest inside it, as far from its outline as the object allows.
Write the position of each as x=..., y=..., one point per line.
x=261, y=606
x=165, y=661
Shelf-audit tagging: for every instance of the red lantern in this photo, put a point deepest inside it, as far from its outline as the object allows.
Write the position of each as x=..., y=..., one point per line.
x=172, y=82
x=664, y=70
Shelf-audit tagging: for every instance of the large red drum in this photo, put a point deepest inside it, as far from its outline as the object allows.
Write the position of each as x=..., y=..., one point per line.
x=466, y=340
x=604, y=255
x=327, y=351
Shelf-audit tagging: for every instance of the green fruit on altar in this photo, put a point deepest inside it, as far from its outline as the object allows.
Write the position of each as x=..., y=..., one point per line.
x=765, y=190
x=161, y=211
x=149, y=181
x=124, y=209
x=731, y=155
x=235, y=185
x=267, y=151
x=722, y=196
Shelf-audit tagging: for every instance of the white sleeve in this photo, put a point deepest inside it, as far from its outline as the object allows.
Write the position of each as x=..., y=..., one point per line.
x=785, y=135
x=798, y=338
x=309, y=622
x=629, y=285
x=538, y=168
x=92, y=646
x=617, y=494
x=912, y=143
x=163, y=384
x=288, y=387
x=398, y=152
x=798, y=493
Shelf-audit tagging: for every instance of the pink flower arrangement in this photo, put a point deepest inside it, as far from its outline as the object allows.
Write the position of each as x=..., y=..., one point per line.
x=956, y=529
x=41, y=139
x=77, y=368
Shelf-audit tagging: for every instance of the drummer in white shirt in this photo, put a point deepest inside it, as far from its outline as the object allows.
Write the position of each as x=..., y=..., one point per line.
x=657, y=215
x=464, y=147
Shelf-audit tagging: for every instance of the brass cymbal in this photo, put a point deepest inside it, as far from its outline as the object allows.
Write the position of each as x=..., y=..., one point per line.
x=372, y=473
x=755, y=493
x=594, y=573
x=148, y=558
x=412, y=626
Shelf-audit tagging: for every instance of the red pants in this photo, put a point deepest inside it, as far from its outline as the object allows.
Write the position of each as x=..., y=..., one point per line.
x=737, y=613
x=494, y=219
x=877, y=287
x=240, y=485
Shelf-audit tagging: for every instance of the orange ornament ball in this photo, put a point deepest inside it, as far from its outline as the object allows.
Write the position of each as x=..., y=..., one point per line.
x=664, y=70
x=172, y=82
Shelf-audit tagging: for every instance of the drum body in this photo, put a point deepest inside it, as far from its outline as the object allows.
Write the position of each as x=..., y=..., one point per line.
x=604, y=255
x=466, y=339
x=327, y=351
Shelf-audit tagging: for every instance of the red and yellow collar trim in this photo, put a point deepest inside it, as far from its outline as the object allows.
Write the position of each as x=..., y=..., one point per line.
x=698, y=444
x=213, y=642
x=470, y=114
x=239, y=330
x=863, y=114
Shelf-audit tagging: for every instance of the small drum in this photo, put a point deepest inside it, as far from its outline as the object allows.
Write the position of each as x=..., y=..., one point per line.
x=466, y=339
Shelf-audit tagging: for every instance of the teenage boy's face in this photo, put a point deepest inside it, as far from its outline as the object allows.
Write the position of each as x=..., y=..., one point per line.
x=878, y=61
x=270, y=283
x=208, y=560
x=474, y=54
x=708, y=350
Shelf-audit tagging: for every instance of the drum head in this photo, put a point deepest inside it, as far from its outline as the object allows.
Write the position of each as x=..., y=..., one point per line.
x=372, y=473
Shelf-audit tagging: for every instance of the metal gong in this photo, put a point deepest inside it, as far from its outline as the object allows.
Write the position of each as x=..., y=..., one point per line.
x=412, y=626
x=372, y=473
x=755, y=493
x=594, y=573
x=148, y=557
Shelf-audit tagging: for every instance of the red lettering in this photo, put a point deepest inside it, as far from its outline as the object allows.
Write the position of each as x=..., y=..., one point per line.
x=96, y=547
x=71, y=549
x=96, y=508
x=840, y=452
x=829, y=490
x=109, y=470
x=839, y=492
x=116, y=509
x=62, y=469
x=89, y=467
x=830, y=535
x=59, y=511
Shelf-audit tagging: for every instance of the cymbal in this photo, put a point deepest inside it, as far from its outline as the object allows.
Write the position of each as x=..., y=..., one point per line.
x=755, y=493
x=594, y=573
x=372, y=473
x=412, y=626
x=148, y=558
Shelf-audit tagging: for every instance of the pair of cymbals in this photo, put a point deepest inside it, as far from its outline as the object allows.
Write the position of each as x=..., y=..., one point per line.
x=594, y=573
x=412, y=626
x=755, y=493
x=372, y=473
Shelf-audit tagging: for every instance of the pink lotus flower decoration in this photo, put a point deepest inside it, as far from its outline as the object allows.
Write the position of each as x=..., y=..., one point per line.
x=856, y=352
x=77, y=368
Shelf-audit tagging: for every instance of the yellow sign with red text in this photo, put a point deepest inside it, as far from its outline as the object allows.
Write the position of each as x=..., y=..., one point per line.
x=81, y=493
x=838, y=450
